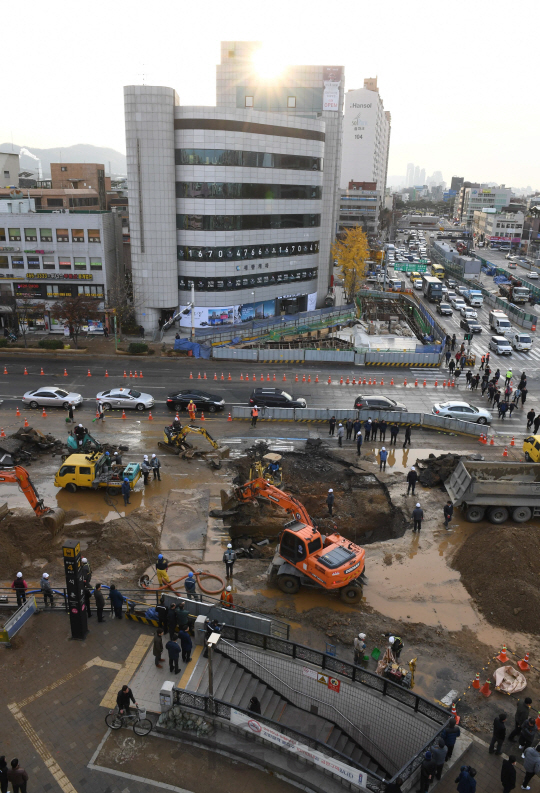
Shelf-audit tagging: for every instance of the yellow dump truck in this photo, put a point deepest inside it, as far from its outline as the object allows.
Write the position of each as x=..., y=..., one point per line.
x=94, y=471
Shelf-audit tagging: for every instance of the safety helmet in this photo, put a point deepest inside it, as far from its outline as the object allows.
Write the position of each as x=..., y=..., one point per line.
x=331, y=490
x=361, y=635
x=418, y=504
x=229, y=588
x=126, y=479
x=160, y=556
x=229, y=545
x=190, y=574
x=45, y=575
x=84, y=560
x=19, y=575
x=392, y=639
x=107, y=454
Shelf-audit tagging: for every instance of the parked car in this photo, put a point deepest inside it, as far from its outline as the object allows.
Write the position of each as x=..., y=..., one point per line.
x=275, y=398
x=444, y=309
x=462, y=411
x=468, y=312
x=56, y=397
x=365, y=402
x=125, y=398
x=210, y=403
x=471, y=325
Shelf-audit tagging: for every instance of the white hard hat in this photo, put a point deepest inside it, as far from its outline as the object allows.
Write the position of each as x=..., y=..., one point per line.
x=341, y=425
x=45, y=575
x=80, y=425
x=330, y=490
x=383, y=449
x=153, y=455
x=229, y=545
x=19, y=575
x=229, y=588
x=361, y=635
x=392, y=639
x=116, y=452
x=146, y=457
x=412, y=468
x=84, y=560
x=418, y=504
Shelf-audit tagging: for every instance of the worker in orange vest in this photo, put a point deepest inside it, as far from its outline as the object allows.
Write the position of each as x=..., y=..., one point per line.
x=254, y=416
x=192, y=409
x=227, y=598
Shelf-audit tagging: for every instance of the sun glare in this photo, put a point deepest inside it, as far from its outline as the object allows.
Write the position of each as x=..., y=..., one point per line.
x=266, y=63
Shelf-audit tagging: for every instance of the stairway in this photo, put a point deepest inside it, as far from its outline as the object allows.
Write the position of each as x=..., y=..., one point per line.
x=235, y=685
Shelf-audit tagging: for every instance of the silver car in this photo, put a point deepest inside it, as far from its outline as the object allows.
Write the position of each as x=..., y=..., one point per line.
x=54, y=396
x=462, y=411
x=125, y=398
x=468, y=313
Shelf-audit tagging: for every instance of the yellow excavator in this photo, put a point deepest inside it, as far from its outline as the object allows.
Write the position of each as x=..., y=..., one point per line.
x=269, y=468
x=175, y=440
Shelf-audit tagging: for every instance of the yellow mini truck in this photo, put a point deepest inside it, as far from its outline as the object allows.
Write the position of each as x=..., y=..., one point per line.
x=531, y=448
x=94, y=471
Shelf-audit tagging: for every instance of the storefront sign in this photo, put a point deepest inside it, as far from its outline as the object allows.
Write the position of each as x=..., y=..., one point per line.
x=267, y=733
x=9, y=249
x=505, y=239
x=61, y=276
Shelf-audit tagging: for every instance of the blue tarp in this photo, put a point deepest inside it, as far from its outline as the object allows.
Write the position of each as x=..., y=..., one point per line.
x=198, y=350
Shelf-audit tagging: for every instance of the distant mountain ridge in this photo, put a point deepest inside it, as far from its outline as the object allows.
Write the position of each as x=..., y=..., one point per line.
x=81, y=152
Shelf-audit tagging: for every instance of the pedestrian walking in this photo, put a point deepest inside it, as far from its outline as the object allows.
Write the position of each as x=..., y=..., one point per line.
x=484, y=386
x=190, y=585
x=466, y=782
x=468, y=378
x=496, y=398
x=448, y=511
x=508, y=774
x=229, y=557
x=157, y=647
x=173, y=650
x=528, y=734
x=488, y=356
x=100, y=412
x=458, y=357
x=523, y=380
x=427, y=772
x=483, y=362
x=367, y=428
x=254, y=705
x=330, y=501
x=408, y=431
x=503, y=407
x=496, y=376
x=531, y=766
x=332, y=425
x=499, y=733
x=100, y=602
x=418, y=516
x=145, y=468
x=517, y=394
x=186, y=646
x=524, y=392
x=359, y=646
x=359, y=442
x=46, y=588
x=20, y=586
x=126, y=490
x=447, y=355
x=491, y=393
x=255, y=416
x=383, y=455
x=17, y=776
x=507, y=392
x=438, y=753
x=536, y=424
x=383, y=426
x=3, y=775
x=70, y=413
x=340, y=434
x=117, y=600
x=162, y=565
x=462, y=362
x=450, y=735
x=394, y=429
x=349, y=428
x=530, y=418
x=508, y=377
x=412, y=479
x=155, y=465
x=453, y=345
x=511, y=409
x=226, y=598
x=451, y=367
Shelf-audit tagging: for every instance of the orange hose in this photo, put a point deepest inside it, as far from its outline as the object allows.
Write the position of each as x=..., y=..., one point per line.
x=197, y=575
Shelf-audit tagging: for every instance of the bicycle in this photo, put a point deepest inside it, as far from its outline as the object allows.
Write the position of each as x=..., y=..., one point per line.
x=141, y=725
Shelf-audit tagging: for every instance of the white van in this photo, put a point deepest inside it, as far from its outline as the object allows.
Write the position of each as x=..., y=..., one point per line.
x=500, y=345
x=521, y=342
x=499, y=322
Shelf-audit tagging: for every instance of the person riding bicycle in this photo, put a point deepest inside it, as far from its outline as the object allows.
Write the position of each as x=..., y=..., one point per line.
x=123, y=698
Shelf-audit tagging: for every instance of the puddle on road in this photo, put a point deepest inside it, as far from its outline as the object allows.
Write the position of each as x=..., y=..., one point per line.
x=307, y=599
x=400, y=459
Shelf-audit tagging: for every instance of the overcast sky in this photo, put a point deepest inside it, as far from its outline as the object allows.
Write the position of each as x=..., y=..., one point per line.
x=459, y=78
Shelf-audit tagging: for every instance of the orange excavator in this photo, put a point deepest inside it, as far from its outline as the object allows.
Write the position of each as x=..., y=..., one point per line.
x=304, y=556
x=53, y=519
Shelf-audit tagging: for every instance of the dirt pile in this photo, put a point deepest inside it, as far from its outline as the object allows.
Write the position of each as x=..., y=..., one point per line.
x=500, y=567
x=434, y=471
x=27, y=443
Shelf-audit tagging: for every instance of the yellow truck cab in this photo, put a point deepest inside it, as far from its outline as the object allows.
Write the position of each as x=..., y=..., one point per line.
x=94, y=471
x=531, y=448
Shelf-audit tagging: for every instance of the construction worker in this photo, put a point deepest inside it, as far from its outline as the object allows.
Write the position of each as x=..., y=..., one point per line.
x=126, y=491
x=145, y=468
x=396, y=645
x=359, y=645
x=412, y=479
x=176, y=425
x=155, y=465
x=483, y=363
x=359, y=441
x=367, y=428
x=229, y=557
x=418, y=516
x=79, y=434
x=45, y=585
x=226, y=598
x=383, y=454
x=86, y=570
x=162, y=566
x=340, y=434
x=192, y=410
x=117, y=459
x=330, y=501
x=448, y=511
x=254, y=416
x=190, y=585
x=107, y=463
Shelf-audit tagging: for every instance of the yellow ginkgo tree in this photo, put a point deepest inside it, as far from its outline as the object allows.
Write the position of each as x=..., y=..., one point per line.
x=352, y=253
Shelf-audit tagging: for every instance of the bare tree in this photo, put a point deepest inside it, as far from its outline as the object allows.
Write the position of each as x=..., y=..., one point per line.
x=120, y=299
x=22, y=308
x=75, y=312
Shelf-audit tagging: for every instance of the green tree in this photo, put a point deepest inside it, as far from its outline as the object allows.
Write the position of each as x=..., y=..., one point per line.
x=352, y=253
x=75, y=312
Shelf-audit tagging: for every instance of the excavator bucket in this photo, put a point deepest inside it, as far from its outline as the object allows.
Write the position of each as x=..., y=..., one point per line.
x=228, y=499
x=54, y=520
x=223, y=452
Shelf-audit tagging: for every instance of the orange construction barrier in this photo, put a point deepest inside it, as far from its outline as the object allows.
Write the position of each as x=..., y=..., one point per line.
x=454, y=714
x=26, y=424
x=25, y=372
x=150, y=416
x=18, y=413
x=44, y=415
x=202, y=417
x=476, y=681
x=505, y=453
x=512, y=442
x=485, y=689
x=123, y=414
x=523, y=664
x=230, y=417
x=503, y=656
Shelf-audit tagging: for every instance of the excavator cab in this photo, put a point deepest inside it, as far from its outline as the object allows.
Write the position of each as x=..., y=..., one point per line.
x=175, y=439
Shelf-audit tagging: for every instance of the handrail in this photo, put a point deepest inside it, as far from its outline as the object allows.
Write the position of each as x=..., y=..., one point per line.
x=304, y=694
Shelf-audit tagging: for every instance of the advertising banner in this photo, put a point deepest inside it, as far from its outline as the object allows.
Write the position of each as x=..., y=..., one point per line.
x=331, y=96
x=255, y=727
x=207, y=317
x=261, y=310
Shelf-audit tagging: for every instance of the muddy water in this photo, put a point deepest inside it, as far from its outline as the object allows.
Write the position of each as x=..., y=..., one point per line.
x=400, y=459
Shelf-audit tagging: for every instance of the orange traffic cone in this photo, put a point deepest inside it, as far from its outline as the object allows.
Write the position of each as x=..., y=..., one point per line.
x=523, y=664
x=190, y=375
x=230, y=378
x=150, y=416
x=18, y=413
x=199, y=376
x=354, y=381
x=42, y=372
x=177, y=417
x=341, y=381
x=262, y=378
x=202, y=416
x=140, y=374
x=505, y=453
x=364, y=383
x=123, y=414
x=309, y=378
x=89, y=375
x=2, y=434
x=454, y=714
x=296, y=378
x=444, y=383
x=44, y=415
x=436, y=383
x=230, y=417
x=416, y=382
x=25, y=372
x=215, y=376
x=512, y=442
x=241, y=376
x=481, y=439
x=26, y=424
x=303, y=378
x=125, y=375
x=97, y=414
x=424, y=383
x=382, y=381
x=6, y=371
x=374, y=381
x=347, y=381
x=485, y=689
x=130, y=373
x=392, y=381
x=106, y=373
x=329, y=381
x=274, y=378
x=254, y=378
x=503, y=657
x=492, y=442
x=476, y=681
x=405, y=383
x=369, y=381
x=284, y=378
x=135, y=375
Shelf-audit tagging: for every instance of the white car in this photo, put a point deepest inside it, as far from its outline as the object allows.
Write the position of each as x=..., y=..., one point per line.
x=417, y=283
x=125, y=398
x=511, y=257
x=52, y=396
x=462, y=411
x=457, y=302
x=533, y=275
x=468, y=313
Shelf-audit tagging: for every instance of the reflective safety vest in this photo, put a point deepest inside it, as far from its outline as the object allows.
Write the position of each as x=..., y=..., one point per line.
x=226, y=599
x=254, y=413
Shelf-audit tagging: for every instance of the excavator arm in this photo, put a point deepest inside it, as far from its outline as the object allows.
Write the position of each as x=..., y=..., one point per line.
x=52, y=519
x=199, y=431
x=260, y=488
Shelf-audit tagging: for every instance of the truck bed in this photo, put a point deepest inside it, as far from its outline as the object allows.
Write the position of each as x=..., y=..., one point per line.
x=490, y=484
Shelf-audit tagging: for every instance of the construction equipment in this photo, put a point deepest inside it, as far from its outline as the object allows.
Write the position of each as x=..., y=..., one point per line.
x=88, y=444
x=304, y=556
x=175, y=440
x=268, y=467
x=53, y=519
x=94, y=471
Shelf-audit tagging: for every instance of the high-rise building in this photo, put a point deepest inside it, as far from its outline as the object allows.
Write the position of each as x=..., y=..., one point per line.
x=237, y=200
x=409, y=179
x=437, y=178
x=366, y=137
x=416, y=175
x=456, y=183
x=422, y=176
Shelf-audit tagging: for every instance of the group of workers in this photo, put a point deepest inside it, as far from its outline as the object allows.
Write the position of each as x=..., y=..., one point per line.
x=372, y=428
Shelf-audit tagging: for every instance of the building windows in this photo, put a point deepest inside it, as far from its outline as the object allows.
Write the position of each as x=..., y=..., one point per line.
x=46, y=235
x=96, y=263
x=291, y=101
x=92, y=291
x=6, y=174
x=48, y=263
x=4, y=262
x=84, y=202
x=17, y=262
x=2, y=235
x=64, y=262
x=55, y=202
x=94, y=235
x=14, y=235
x=33, y=262
x=77, y=235
x=62, y=235
x=248, y=101
x=266, y=192
x=79, y=263
x=63, y=168
x=247, y=159
x=245, y=222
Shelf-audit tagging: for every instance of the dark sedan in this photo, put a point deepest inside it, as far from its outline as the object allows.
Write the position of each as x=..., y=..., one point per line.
x=210, y=403
x=471, y=325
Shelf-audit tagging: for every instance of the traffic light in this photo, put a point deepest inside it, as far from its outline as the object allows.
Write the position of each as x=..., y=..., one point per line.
x=468, y=337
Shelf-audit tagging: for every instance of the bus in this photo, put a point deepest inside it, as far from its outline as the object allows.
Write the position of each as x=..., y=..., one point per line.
x=437, y=270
